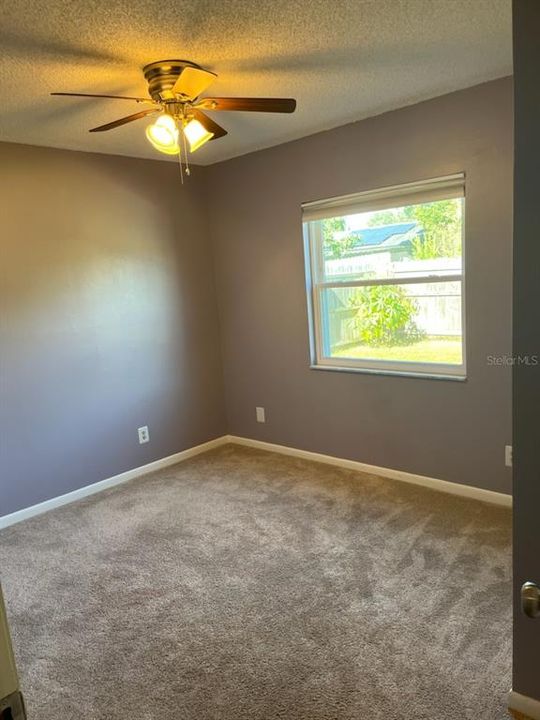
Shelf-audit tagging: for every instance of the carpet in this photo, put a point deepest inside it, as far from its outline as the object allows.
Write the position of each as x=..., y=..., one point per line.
x=244, y=585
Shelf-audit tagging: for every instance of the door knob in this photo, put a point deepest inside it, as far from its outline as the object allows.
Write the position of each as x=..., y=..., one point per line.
x=530, y=599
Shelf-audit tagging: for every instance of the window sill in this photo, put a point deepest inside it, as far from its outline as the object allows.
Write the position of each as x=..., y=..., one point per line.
x=397, y=373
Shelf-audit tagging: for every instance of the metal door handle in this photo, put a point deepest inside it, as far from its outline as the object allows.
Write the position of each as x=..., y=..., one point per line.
x=530, y=599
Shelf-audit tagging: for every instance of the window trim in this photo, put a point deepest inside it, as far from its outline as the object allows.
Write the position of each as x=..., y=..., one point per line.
x=314, y=263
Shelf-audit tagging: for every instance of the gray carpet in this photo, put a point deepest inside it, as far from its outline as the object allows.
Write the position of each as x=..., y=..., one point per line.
x=243, y=585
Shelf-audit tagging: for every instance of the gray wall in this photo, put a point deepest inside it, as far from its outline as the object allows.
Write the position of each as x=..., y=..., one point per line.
x=109, y=316
x=526, y=340
x=456, y=431
x=108, y=319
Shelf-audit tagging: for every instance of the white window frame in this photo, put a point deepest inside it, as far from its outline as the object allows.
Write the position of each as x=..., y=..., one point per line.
x=442, y=188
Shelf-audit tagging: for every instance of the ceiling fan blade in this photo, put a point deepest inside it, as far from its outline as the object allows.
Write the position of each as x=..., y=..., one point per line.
x=208, y=124
x=113, y=97
x=123, y=121
x=193, y=81
x=280, y=105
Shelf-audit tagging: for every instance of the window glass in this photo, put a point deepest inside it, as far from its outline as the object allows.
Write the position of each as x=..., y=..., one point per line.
x=386, y=287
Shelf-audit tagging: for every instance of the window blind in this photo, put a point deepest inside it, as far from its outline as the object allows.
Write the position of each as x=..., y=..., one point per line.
x=451, y=186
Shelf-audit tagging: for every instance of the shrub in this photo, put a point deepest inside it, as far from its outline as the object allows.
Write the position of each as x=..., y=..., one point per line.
x=385, y=316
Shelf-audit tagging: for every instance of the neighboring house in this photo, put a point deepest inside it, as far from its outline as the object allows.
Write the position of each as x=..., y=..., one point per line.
x=396, y=238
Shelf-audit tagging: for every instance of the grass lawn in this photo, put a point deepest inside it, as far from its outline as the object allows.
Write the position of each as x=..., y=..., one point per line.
x=430, y=350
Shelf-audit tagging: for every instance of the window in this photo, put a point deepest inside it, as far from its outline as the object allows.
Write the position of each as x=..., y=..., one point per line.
x=385, y=279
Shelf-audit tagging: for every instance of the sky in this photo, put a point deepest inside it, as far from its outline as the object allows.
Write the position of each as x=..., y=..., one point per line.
x=358, y=221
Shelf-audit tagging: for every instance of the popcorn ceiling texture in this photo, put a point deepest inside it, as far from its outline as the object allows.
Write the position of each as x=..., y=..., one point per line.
x=342, y=61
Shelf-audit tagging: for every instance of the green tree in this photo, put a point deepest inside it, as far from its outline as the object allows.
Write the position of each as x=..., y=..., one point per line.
x=440, y=222
x=335, y=247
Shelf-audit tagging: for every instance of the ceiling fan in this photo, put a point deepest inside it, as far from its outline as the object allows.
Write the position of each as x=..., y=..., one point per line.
x=175, y=88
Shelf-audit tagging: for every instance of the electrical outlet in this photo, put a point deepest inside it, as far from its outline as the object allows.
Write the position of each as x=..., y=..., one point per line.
x=508, y=455
x=144, y=435
x=259, y=411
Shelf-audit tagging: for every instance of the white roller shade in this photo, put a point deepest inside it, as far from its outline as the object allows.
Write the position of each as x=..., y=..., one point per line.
x=451, y=186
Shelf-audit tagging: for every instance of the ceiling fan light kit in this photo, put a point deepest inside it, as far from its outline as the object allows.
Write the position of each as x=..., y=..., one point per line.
x=175, y=88
x=163, y=135
x=196, y=134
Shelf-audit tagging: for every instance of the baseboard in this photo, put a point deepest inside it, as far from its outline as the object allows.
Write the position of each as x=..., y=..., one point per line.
x=524, y=705
x=83, y=492
x=467, y=491
x=433, y=483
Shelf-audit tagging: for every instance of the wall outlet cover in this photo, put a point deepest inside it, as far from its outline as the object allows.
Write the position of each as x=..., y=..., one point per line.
x=508, y=455
x=260, y=414
x=144, y=435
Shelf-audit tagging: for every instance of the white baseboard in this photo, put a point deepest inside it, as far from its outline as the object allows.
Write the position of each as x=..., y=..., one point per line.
x=433, y=483
x=83, y=492
x=467, y=491
x=525, y=705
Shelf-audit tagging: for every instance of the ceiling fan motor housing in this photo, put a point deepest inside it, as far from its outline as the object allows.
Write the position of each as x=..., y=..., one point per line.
x=162, y=76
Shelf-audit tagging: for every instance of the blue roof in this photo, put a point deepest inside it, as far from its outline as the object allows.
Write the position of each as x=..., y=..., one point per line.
x=378, y=235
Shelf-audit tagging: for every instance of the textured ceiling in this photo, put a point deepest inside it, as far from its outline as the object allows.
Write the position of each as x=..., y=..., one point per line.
x=342, y=59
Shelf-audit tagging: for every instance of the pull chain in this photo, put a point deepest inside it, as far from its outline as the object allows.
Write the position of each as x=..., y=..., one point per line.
x=188, y=171
x=181, y=168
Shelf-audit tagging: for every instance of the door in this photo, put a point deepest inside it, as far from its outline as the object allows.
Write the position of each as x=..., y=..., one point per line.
x=11, y=707
x=526, y=369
